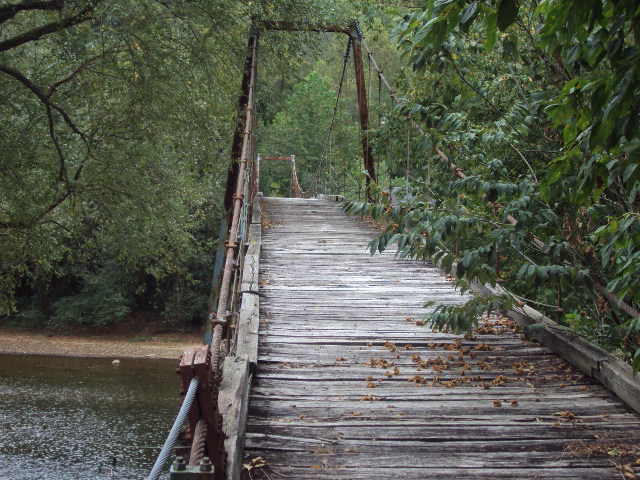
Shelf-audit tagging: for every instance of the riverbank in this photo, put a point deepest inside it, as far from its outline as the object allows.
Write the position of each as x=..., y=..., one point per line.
x=161, y=345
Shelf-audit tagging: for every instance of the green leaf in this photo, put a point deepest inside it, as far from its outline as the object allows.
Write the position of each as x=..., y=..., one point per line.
x=468, y=15
x=507, y=12
x=424, y=31
x=629, y=171
x=442, y=3
x=491, y=32
x=572, y=54
x=598, y=99
x=373, y=245
x=508, y=48
x=596, y=12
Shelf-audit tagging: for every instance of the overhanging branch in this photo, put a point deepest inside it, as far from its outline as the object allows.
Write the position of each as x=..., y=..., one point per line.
x=43, y=97
x=10, y=10
x=47, y=29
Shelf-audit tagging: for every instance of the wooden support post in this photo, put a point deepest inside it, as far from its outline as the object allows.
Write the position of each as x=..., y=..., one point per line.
x=364, y=111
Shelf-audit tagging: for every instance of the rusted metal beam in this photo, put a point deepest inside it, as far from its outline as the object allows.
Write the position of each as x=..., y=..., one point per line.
x=276, y=158
x=363, y=109
x=238, y=199
x=303, y=27
x=238, y=134
x=209, y=410
x=232, y=180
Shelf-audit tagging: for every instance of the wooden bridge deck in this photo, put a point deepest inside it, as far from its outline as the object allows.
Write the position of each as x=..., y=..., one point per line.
x=349, y=387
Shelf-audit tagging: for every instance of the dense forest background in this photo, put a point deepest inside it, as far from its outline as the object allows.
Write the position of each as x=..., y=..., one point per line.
x=117, y=120
x=509, y=150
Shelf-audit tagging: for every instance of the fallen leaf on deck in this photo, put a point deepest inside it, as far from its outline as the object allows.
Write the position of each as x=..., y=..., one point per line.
x=256, y=462
x=566, y=414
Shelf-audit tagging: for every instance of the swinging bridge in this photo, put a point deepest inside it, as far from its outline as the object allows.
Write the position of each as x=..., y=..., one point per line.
x=315, y=365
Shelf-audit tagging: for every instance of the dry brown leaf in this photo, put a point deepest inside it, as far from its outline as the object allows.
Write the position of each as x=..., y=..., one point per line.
x=256, y=462
x=626, y=470
x=566, y=414
x=369, y=398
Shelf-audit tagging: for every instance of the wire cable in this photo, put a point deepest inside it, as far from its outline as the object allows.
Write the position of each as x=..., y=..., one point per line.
x=156, y=471
x=335, y=108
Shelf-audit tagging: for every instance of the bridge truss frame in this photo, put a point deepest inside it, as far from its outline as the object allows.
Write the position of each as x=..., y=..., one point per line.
x=204, y=417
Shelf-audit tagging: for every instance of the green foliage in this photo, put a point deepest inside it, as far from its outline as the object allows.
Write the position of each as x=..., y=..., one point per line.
x=537, y=103
x=300, y=129
x=104, y=297
x=114, y=146
x=465, y=317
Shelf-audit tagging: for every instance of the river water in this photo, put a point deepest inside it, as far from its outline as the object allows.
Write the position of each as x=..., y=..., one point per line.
x=67, y=418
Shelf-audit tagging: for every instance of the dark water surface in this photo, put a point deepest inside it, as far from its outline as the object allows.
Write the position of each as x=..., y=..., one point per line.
x=66, y=418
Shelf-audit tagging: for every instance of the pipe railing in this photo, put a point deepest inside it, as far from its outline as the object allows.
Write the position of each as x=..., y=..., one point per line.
x=202, y=366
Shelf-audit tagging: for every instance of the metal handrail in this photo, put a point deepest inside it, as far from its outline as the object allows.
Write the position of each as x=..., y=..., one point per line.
x=202, y=366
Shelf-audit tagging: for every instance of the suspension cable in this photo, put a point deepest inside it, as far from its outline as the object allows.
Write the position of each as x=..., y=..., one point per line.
x=335, y=108
x=156, y=471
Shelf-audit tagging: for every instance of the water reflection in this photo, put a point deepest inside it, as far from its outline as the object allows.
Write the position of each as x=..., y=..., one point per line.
x=66, y=418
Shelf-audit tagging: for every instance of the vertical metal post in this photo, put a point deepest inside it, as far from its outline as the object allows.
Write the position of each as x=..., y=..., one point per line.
x=257, y=174
x=291, y=186
x=406, y=168
x=294, y=174
x=495, y=212
x=363, y=109
x=559, y=309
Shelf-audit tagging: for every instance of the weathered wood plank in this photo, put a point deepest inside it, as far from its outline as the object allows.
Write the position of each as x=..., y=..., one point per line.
x=233, y=399
x=318, y=410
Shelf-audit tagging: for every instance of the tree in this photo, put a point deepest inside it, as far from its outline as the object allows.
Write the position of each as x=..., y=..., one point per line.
x=113, y=145
x=115, y=149
x=301, y=129
x=537, y=104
